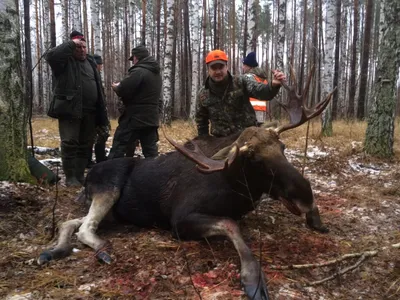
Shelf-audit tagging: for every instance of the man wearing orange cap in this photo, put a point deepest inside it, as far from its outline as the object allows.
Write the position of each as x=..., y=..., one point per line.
x=224, y=101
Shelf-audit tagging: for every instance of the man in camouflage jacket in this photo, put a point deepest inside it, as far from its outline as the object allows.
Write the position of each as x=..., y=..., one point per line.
x=224, y=99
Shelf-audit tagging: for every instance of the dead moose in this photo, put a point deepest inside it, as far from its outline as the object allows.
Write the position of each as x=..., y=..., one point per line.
x=170, y=192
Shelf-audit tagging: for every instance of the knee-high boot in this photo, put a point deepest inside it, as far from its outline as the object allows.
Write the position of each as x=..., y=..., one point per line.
x=81, y=163
x=69, y=165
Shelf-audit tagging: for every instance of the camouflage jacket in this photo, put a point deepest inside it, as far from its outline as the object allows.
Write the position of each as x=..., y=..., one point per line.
x=233, y=112
x=258, y=72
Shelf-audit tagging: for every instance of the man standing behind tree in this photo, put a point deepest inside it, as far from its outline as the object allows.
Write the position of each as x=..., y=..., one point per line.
x=251, y=69
x=77, y=103
x=140, y=93
x=102, y=132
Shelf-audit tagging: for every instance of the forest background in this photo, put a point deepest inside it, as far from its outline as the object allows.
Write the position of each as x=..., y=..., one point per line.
x=353, y=45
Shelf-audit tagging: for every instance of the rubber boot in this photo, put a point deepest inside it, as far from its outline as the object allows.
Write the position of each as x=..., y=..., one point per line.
x=69, y=171
x=81, y=163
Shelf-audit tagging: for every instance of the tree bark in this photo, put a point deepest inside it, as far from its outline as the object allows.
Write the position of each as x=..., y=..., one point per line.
x=365, y=60
x=13, y=109
x=353, y=74
x=379, y=136
x=327, y=76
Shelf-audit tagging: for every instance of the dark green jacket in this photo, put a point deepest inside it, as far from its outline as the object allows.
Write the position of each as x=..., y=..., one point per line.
x=67, y=93
x=233, y=112
x=140, y=93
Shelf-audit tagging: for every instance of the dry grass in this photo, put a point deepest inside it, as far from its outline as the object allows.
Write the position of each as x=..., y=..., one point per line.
x=348, y=136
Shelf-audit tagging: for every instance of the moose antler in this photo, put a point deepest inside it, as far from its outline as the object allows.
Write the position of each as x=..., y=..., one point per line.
x=204, y=164
x=296, y=105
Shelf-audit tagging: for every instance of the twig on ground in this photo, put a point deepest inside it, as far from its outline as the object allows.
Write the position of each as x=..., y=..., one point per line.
x=361, y=255
x=393, y=293
x=343, y=271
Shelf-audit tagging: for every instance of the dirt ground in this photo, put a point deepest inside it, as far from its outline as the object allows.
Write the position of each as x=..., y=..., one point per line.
x=358, y=199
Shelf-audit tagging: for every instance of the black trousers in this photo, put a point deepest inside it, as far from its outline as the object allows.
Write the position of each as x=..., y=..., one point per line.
x=77, y=135
x=125, y=135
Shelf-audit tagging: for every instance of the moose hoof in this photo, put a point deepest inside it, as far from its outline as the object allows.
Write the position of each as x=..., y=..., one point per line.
x=253, y=282
x=257, y=291
x=103, y=256
x=313, y=221
x=44, y=258
x=320, y=229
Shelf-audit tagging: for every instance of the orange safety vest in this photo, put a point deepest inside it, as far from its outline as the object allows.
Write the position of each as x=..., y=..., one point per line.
x=259, y=105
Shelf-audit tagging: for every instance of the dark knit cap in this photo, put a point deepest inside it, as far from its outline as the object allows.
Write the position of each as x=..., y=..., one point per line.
x=98, y=59
x=76, y=35
x=140, y=52
x=251, y=60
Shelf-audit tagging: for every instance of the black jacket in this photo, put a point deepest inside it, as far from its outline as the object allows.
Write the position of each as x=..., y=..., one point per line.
x=140, y=92
x=67, y=93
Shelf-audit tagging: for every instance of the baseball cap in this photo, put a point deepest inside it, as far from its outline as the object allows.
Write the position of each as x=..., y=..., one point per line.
x=216, y=57
x=140, y=52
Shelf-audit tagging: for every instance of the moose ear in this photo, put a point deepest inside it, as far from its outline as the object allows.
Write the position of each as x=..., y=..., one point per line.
x=247, y=150
x=229, y=159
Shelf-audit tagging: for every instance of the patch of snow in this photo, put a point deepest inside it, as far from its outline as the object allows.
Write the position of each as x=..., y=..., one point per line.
x=51, y=161
x=5, y=184
x=369, y=169
x=25, y=296
x=45, y=150
x=87, y=287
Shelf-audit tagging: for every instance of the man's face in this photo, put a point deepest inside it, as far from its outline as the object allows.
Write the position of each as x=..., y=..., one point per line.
x=80, y=50
x=99, y=68
x=218, y=72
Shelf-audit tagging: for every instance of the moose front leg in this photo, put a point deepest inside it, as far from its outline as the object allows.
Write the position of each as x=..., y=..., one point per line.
x=202, y=226
x=101, y=205
x=63, y=247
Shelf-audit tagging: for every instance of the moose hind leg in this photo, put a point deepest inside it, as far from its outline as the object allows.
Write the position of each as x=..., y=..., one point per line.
x=101, y=205
x=63, y=247
x=313, y=220
x=251, y=275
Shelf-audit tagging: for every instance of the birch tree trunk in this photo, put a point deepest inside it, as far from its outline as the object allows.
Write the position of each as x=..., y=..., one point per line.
x=195, y=25
x=328, y=67
x=379, y=136
x=40, y=108
x=280, y=46
x=75, y=15
x=205, y=49
x=167, y=73
x=46, y=44
x=96, y=26
x=337, y=60
x=252, y=33
x=13, y=113
x=64, y=19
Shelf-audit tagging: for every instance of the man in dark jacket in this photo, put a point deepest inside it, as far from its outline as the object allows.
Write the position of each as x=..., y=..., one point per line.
x=77, y=103
x=224, y=101
x=140, y=93
x=102, y=132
